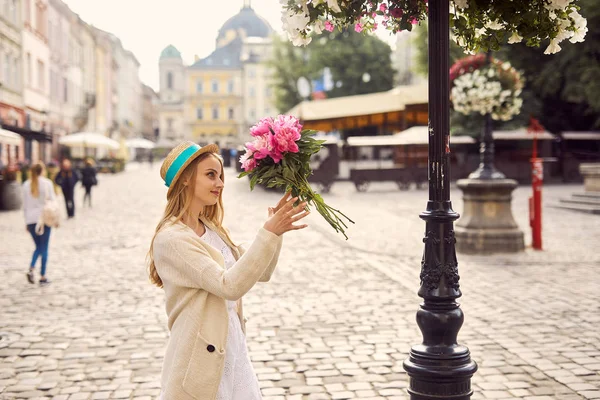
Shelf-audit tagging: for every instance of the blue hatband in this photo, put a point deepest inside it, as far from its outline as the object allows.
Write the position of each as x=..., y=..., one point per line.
x=178, y=163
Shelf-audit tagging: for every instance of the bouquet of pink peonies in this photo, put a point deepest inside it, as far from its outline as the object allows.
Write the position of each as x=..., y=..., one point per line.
x=279, y=156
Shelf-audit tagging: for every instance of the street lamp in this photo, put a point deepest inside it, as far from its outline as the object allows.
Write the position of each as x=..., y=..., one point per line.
x=439, y=368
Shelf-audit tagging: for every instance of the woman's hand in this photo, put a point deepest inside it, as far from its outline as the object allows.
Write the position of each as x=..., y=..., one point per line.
x=282, y=217
x=281, y=203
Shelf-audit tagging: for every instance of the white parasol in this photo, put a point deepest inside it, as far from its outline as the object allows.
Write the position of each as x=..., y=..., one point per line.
x=139, y=143
x=88, y=139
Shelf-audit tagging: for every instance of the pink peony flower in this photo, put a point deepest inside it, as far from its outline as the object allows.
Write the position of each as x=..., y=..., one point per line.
x=358, y=27
x=248, y=163
x=261, y=146
x=262, y=127
x=383, y=7
x=328, y=26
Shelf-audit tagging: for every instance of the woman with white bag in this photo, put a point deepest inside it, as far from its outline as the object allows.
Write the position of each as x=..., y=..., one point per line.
x=41, y=214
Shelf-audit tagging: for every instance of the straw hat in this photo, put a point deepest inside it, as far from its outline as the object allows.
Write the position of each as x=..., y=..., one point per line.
x=179, y=158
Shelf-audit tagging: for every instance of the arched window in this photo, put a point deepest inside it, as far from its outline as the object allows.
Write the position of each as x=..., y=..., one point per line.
x=169, y=80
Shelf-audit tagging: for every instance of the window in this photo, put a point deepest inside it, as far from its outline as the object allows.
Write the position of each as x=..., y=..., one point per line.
x=16, y=77
x=199, y=113
x=169, y=80
x=27, y=11
x=169, y=123
x=199, y=86
x=6, y=10
x=215, y=112
x=252, y=91
x=268, y=92
x=13, y=10
x=29, y=68
x=215, y=86
x=252, y=113
x=65, y=90
x=251, y=72
x=41, y=81
x=6, y=68
x=230, y=87
x=231, y=113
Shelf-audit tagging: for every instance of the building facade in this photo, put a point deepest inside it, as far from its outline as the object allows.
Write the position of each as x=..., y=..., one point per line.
x=223, y=94
x=172, y=87
x=11, y=76
x=150, y=101
x=213, y=97
x=128, y=91
x=106, y=96
x=36, y=82
x=256, y=75
x=85, y=119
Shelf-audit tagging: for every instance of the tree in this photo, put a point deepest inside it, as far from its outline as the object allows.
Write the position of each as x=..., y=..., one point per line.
x=561, y=90
x=349, y=55
x=566, y=85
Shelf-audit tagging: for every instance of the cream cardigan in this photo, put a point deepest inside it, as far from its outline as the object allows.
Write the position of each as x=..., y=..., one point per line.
x=196, y=285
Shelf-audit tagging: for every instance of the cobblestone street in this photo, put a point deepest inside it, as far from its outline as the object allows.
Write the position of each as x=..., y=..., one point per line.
x=336, y=321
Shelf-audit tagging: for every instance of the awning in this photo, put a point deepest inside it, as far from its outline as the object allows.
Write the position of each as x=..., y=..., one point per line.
x=362, y=104
x=39, y=136
x=11, y=138
x=580, y=135
x=417, y=135
x=394, y=108
x=521, y=134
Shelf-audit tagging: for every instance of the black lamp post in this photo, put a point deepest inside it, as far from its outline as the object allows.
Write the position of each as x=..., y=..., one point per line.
x=439, y=368
x=486, y=169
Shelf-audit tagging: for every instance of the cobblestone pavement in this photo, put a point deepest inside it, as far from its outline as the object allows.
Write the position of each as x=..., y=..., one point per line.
x=335, y=322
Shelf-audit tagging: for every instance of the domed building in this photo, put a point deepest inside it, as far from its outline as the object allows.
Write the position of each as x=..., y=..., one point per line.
x=217, y=98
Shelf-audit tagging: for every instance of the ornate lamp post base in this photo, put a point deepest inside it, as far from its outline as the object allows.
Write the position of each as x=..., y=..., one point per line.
x=487, y=224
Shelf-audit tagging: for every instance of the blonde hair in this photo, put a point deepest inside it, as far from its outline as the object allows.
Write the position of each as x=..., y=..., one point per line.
x=179, y=201
x=36, y=171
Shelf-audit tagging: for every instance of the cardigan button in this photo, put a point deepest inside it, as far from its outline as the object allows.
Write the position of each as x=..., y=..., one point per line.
x=210, y=348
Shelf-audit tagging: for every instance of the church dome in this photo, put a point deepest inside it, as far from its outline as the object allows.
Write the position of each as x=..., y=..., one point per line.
x=170, y=52
x=247, y=20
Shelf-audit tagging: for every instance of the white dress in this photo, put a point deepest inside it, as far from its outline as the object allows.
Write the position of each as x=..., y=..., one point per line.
x=239, y=381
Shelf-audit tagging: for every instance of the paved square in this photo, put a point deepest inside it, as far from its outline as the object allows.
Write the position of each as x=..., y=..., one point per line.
x=336, y=321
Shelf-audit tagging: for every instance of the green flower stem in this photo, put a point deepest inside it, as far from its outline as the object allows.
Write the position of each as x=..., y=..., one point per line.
x=301, y=188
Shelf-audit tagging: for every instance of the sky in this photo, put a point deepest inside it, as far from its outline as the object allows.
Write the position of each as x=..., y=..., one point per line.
x=146, y=27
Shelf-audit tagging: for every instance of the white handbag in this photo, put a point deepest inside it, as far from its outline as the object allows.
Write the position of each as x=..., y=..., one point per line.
x=50, y=215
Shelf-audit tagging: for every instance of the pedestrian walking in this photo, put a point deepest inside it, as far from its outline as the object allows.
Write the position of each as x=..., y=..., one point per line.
x=36, y=191
x=67, y=178
x=151, y=158
x=88, y=179
x=204, y=276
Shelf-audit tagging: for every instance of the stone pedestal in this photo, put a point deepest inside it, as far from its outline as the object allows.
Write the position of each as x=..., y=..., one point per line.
x=486, y=224
x=591, y=176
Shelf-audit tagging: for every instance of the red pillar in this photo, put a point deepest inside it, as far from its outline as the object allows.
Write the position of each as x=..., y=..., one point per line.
x=535, y=202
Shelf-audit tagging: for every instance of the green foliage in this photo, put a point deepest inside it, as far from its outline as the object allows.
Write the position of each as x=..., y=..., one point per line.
x=565, y=86
x=421, y=43
x=347, y=54
x=292, y=174
x=561, y=90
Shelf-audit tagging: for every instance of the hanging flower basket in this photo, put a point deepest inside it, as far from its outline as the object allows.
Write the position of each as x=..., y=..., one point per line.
x=475, y=27
x=479, y=87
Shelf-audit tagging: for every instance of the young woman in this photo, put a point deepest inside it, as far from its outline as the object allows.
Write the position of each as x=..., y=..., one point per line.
x=204, y=276
x=88, y=179
x=35, y=192
x=67, y=178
